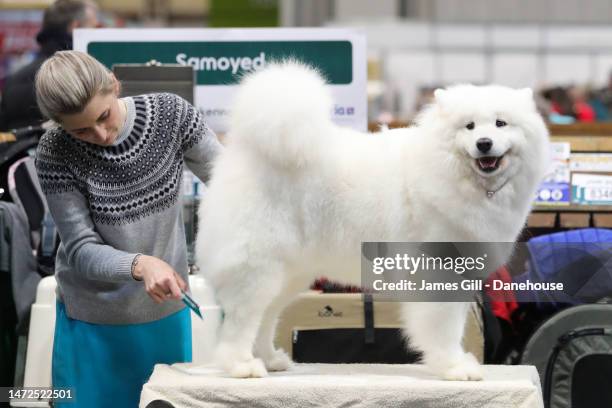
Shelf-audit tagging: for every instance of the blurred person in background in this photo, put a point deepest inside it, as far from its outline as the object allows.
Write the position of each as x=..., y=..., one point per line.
x=561, y=106
x=594, y=100
x=583, y=112
x=543, y=103
x=18, y=105
x=605, y=96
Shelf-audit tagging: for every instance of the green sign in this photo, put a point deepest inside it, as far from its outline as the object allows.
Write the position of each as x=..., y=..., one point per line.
x=223, y=62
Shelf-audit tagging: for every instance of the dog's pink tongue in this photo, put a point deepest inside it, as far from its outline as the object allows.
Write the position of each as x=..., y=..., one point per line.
x=487, y=162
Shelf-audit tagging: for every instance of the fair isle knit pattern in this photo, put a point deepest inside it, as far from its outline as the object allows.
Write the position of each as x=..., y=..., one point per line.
x=110, y=203
x=139, y=176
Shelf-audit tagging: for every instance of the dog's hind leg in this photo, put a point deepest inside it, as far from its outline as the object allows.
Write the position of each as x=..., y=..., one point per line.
x=273, y=358
x=437, y=330
x=244, y=299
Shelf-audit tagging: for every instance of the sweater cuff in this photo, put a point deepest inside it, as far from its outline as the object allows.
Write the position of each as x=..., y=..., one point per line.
x=124, y=267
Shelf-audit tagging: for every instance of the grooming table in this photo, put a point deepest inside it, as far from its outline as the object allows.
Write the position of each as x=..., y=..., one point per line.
x=347, y=385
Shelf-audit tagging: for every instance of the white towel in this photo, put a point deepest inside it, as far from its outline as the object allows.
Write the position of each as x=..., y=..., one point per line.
x=343, y=385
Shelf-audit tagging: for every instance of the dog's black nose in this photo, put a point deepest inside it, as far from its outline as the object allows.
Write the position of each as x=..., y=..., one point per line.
x=484, y=144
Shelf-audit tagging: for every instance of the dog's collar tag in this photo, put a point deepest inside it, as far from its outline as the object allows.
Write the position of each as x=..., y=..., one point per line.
x=490, y=194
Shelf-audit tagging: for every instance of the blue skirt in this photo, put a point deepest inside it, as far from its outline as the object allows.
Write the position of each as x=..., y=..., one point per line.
x=107, y=365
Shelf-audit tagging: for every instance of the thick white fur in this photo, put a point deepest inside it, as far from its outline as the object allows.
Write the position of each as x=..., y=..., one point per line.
x=293, y=196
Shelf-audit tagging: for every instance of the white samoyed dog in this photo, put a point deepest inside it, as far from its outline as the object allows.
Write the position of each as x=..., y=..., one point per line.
x=293, y=196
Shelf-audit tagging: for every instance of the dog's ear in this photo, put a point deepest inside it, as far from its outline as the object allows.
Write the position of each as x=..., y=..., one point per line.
x=439, y=95
x=526, y=93
x=526, y=96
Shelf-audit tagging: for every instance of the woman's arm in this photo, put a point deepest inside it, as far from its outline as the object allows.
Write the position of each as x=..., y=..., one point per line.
x=85, y=250
x=199, y=143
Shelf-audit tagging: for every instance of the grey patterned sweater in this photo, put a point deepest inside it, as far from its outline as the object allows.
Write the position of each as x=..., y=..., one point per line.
x=111, y=203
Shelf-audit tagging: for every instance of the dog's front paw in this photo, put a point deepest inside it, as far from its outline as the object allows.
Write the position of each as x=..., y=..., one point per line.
x=279, y=361
x=464, y=368
x=246, y=369
x=239, y=362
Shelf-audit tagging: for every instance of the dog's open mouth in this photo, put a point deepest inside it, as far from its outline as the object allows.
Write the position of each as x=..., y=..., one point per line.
x=489, y=164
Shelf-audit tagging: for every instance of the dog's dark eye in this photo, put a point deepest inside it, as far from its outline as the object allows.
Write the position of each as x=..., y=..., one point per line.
x=470, y=126
x=500, y=123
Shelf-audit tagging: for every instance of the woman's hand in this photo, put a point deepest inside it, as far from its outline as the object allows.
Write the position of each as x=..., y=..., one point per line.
x=160, y=279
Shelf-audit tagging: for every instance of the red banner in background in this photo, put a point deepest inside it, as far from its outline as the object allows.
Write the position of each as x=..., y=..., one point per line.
x=17, y=37
x=18, y=29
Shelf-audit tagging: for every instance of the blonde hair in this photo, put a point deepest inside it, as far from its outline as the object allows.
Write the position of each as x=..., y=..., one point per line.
x=66, y=82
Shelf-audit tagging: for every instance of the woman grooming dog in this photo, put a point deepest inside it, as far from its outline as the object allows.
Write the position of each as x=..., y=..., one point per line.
x=112, y=175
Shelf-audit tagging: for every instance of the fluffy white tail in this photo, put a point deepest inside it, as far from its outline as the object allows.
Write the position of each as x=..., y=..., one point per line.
x=282, y=112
